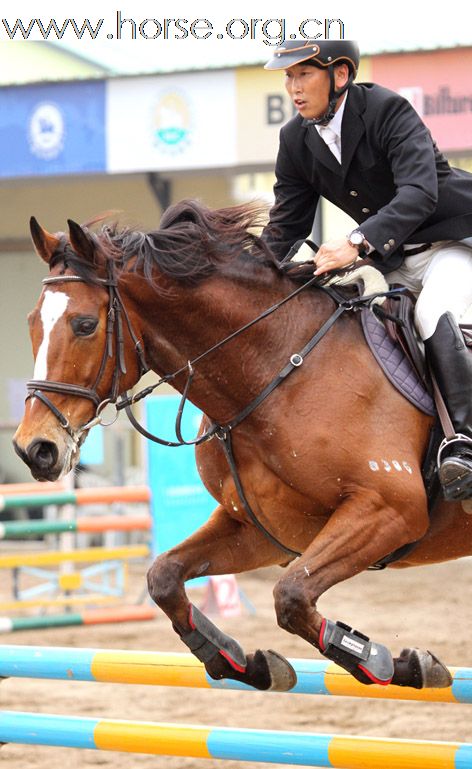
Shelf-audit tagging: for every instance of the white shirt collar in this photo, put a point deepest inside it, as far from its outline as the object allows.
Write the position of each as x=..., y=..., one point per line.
x=335, y=123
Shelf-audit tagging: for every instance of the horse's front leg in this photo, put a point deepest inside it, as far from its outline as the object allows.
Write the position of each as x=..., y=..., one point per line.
x=362, y=530
x=222, y=546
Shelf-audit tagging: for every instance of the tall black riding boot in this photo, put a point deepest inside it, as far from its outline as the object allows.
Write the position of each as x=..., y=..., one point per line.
x=451, y=362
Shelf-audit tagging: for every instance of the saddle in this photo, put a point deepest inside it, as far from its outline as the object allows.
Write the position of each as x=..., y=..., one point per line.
x=390, y=333
x=387, y=323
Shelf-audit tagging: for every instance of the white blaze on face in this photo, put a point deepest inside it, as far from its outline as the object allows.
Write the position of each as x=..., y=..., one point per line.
x=53, y=307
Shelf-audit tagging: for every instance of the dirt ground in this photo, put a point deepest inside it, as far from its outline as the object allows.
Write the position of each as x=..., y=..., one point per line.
x=428, y=607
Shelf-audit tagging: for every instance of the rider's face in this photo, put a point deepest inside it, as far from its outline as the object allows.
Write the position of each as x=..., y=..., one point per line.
x=309, y=86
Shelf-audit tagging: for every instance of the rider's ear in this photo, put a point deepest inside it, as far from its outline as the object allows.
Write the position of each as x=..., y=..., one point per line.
x=44, y=243
x=81, y=241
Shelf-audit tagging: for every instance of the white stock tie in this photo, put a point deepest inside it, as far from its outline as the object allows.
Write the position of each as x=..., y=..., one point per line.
x=332, y=140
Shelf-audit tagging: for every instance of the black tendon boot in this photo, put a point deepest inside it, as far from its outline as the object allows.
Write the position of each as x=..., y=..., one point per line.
x=451, y=363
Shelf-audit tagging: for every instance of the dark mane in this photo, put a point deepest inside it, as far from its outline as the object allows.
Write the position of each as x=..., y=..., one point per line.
x=65, y=256
x=191, y=242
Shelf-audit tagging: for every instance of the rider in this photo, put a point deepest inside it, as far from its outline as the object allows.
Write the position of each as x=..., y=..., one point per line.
x=364, y=148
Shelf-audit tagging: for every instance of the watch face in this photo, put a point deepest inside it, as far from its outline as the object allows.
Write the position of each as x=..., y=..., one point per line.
x=356, y=238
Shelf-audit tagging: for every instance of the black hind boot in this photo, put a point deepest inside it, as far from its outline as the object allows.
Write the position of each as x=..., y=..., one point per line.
x=451, y=362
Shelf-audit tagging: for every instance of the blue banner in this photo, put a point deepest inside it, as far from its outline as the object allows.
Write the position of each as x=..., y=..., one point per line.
x=52, y=129
x=92, y=451
x=180, y=501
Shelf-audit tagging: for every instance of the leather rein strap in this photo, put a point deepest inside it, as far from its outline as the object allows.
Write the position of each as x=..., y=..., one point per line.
x=223, y=432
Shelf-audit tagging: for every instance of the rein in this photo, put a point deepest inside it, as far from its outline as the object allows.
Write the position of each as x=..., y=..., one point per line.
x=127, y=402
x=114, y=331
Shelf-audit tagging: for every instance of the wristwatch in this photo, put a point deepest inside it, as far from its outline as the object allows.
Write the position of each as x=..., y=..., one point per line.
x=357, y=239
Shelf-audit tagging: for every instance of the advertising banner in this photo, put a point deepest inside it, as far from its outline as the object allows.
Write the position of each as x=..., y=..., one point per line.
x=171, y=122
x=438, y=85
x=52, y=129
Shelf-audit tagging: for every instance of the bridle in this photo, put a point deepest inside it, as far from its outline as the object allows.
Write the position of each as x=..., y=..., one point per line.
x=114, y=332
x=114, y=345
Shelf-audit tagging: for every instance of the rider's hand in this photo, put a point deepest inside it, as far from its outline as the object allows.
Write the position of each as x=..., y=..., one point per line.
x=333, y=255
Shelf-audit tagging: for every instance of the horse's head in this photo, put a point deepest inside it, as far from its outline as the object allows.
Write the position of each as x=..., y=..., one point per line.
x=86, y=350
x=106, y=292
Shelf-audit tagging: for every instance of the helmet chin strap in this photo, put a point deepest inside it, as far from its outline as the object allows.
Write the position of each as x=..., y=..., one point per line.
x=333, y=98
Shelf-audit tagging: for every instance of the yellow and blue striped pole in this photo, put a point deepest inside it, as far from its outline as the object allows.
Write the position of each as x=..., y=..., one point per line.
x=173, y=669
x=281, y=747
x=84, y=555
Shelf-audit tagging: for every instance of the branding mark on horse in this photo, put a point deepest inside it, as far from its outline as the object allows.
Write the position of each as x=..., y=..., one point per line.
x=387, y=466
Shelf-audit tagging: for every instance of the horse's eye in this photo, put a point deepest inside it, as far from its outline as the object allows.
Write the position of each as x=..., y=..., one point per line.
x=84, y=326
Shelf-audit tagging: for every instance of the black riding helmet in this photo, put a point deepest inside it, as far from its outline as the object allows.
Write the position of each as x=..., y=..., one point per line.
x=324, y=54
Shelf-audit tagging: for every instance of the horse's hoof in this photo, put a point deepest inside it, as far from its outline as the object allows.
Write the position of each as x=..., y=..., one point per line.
x=421, y=670
x=282, y=675
x=435, y=674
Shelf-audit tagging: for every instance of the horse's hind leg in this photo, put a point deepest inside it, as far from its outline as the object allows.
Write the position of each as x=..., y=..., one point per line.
x=222, y=546
x=361, y=531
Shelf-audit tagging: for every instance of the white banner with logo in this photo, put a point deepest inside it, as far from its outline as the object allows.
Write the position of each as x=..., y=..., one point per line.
x=171, y=122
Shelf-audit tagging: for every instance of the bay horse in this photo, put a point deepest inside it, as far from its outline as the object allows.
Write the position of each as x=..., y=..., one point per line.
x=322, y=476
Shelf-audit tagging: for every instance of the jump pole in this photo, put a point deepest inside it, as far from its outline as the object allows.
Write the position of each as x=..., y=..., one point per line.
x=103, y=558
x=84, y=525
x=103, y=495
x=256, y=745
x=180, y=669
x=113, y=614
x=85, y=599
x=31, y=487
x=100, y=558
x=85, y=555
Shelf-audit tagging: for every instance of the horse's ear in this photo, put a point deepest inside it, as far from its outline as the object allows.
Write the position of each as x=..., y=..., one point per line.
x=44, y=243
x=81, y=241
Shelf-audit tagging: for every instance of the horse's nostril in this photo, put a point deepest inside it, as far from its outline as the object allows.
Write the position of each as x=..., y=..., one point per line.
x=43, y=454
x=21, y=452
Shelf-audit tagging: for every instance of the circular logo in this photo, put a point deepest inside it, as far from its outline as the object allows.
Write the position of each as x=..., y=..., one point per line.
x=46, y=131
x=171, y=123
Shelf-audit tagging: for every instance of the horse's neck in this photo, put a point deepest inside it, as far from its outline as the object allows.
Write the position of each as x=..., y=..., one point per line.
x=181, y=329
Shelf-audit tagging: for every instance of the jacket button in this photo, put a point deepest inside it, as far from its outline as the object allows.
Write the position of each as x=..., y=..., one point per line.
x=387, y=246
x=354, y=193
x=391, y=242
x=366, y=210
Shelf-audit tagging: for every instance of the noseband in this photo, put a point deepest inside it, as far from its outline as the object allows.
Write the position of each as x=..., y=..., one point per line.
x=114, y=332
